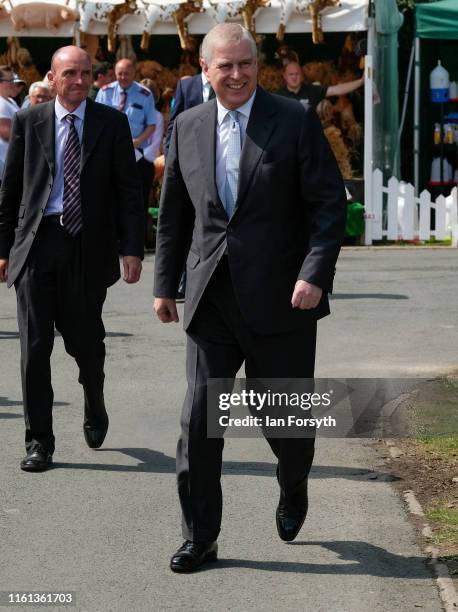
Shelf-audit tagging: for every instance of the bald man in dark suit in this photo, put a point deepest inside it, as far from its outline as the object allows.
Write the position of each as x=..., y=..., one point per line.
x=70, y=200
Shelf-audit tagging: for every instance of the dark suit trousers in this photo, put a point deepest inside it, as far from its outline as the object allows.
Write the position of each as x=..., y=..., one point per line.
x=51, y=293
x=218, y=342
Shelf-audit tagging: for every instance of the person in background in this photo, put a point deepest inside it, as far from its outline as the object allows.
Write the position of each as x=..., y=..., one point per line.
x=8, y=109
x=190, y=92
x=137, y=102
x=38, y=93
x=152, y=149
x=154, y=142
x=20, y=86
x=103, y=75
x=311, y=95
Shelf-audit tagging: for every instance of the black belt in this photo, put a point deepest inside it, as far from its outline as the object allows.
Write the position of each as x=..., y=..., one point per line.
x=55, y=219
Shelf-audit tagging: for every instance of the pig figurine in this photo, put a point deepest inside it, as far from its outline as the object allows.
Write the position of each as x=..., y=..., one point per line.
x=41, y=15
x=3, y=11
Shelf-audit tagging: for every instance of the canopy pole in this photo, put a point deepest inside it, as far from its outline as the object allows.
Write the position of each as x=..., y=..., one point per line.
x=416, y=120
x=406, y=100
x=77, y=28
x=368, y=129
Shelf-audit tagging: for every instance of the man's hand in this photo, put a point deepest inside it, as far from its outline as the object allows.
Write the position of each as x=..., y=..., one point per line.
x=3, y=270
x=132, y=268
x=136, y=142
x=306, y=296
x=166, y=310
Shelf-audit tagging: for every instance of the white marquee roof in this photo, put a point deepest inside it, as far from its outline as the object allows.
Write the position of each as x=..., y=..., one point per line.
x=350, y=16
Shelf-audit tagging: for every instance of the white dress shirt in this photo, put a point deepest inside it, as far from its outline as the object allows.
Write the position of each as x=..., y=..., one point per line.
x=55, y=202
x=205, y=87
x=8, y=109
x=153, y=144
x=223, y=124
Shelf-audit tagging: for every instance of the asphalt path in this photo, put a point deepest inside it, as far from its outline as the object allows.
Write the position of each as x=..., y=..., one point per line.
x=104, y=523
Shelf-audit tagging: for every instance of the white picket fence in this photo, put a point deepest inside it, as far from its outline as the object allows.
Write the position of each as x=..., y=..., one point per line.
x=396, y=214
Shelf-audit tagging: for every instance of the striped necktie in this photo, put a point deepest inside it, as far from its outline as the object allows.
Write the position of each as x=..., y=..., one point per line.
x=71, y=214
x=232, y=163
x=122, y=100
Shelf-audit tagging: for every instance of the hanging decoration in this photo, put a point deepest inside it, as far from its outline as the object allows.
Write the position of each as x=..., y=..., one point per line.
x=315, y=7
x=179, y=15
x=41, y=15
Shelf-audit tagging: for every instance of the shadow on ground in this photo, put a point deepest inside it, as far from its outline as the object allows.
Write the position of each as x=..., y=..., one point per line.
x=157, y=462
x=363, y=559
x=369, y=296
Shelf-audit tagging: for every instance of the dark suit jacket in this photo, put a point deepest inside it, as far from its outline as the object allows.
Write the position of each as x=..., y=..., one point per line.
x=187, y=95
x=111, y=198
x=288, y=222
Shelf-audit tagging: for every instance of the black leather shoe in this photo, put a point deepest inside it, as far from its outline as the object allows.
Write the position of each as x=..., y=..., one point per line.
x=95, y=434
x=95, y=424
x=191, y=555
x=291, y=511
x=37, y=461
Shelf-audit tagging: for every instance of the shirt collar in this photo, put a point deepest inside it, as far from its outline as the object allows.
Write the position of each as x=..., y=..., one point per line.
x=205, y=81
x=12, y=101
x=62, y=112
x=245, y=109
x=122, y=89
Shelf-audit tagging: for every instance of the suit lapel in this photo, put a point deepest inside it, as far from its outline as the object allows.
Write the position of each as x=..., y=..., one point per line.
x=93, y=124
x=260, y=127
x=45, y=130
x=206, y=144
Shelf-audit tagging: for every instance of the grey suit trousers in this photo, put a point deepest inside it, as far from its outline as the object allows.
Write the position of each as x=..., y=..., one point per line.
x=218, y=342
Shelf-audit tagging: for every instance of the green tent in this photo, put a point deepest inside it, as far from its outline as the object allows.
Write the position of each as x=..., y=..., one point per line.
x=437, y=20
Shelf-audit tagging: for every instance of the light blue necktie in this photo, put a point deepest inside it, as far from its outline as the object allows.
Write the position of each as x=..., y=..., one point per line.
x=234, y=148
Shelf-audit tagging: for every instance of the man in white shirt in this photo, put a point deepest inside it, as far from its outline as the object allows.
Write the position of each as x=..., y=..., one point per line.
x=8, y=109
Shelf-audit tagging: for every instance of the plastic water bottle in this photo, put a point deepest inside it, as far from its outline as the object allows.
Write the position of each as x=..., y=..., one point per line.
x=437, y=134
x=439, y=83
x=453, y=90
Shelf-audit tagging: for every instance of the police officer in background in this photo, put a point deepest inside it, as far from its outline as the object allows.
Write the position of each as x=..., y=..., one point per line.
x=137, y=102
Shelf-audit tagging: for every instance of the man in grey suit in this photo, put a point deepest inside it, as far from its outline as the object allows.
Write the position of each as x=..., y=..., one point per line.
x=252, y=185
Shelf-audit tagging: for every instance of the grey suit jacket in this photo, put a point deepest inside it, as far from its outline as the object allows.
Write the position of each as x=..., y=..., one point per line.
x=111, y=201
x=289, y=218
